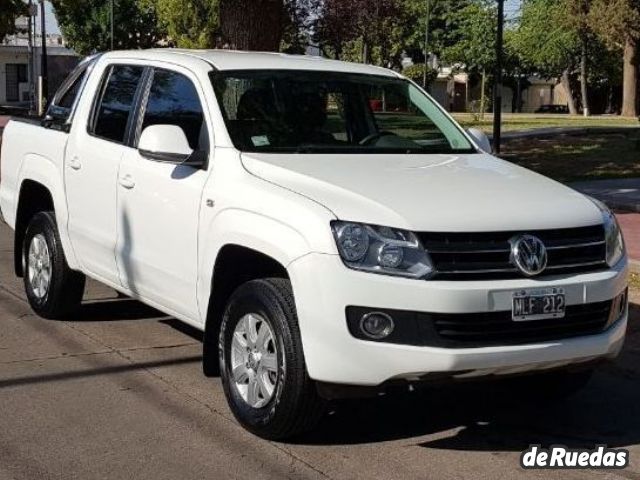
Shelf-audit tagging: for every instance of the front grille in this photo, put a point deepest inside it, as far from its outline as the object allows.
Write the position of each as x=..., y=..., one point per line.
x=497, y=328
x=486, y=255
x=471, y=330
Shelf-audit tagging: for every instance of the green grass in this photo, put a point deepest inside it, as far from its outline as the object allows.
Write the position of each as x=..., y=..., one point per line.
x=569, y=158
x=524, y=121
x=634, y=281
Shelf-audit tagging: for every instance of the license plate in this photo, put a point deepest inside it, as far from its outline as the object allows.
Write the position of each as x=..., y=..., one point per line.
x=538, y=304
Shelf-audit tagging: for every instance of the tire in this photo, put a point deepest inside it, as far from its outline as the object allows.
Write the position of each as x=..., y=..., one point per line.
x=550, y=387
x=294, y=406
x=65, y=287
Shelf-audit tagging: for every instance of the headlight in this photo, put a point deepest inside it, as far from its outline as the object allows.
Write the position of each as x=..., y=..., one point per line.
x=381, y=250
x=612, y=234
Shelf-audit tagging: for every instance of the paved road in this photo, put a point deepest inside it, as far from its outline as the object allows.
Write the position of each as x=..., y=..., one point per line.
x=117, y=393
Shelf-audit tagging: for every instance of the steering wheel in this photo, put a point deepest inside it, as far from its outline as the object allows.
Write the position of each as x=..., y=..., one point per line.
x=375, y=136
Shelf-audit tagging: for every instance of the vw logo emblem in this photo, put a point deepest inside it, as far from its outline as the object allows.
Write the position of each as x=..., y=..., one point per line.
x=529, y=254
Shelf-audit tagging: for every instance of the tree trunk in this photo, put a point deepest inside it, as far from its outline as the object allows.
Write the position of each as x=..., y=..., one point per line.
x=365, y=51
x=519, y=94
x=482, y=95
x=630, y=79
x=564, y=80
x=584, y=78
x=252, y=24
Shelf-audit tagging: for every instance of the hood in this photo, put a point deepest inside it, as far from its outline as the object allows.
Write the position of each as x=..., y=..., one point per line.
x=448, y=193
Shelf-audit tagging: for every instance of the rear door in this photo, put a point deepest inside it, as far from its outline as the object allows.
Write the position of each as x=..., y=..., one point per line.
x=93, y=157
x=159, y=203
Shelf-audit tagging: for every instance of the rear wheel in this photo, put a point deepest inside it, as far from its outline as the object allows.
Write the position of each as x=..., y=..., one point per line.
x=53, y=289
x=262, y=363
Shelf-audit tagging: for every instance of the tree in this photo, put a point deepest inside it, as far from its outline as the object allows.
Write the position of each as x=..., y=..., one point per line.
x=236, y=24
x=190, y=23
x=472, y=43
x=370, y=25
x=576, y=18
x=86, y=24
x=297, y=22
x=544, y=43
x=252, y=24
x=418, y=72
x=617, y=23
x=444, y=20
x=10, y=10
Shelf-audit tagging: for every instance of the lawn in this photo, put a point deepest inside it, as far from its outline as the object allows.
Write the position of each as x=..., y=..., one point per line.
x=523, y=121
x=568, y=157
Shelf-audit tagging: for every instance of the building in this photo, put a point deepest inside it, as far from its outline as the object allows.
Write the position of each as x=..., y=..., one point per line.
x=19, y=77
x=456, y=92
x=451, y=90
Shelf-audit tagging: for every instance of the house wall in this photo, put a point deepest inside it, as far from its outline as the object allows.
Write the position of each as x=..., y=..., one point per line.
x=439, y=92
x=60, y=62
x=450, y=94
x=8, y=58
x=540, y=94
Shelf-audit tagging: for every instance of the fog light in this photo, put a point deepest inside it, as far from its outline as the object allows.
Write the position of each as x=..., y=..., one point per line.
x=376, y=325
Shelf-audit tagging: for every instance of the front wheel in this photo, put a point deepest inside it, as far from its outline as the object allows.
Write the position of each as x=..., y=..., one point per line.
x=53, y=289
x=262, y=364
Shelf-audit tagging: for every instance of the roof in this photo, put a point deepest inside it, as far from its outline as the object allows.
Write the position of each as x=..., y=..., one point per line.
x=239, y=60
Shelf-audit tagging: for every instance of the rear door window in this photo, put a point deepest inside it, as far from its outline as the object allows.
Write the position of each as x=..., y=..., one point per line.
x=115, y=107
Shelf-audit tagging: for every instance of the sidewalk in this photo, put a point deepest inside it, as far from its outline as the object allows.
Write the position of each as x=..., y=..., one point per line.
x=3, y=121
x=630, y=224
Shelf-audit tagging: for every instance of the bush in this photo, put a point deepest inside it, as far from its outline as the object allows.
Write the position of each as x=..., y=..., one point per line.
x=416, y=73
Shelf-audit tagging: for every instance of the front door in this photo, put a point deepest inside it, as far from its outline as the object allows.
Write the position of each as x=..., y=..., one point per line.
x=159, y=203
x=92, y=162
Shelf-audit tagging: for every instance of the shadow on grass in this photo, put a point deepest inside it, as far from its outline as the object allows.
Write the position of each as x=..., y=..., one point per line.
x=569, y=158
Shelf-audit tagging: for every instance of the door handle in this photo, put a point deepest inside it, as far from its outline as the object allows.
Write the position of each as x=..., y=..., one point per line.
x=127, y=182
x=74, y=163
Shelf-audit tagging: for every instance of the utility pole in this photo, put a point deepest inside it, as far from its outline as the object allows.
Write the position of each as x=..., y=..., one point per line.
x=497, y=90
x=426, y=44
x=32, y=9
x=44, y=88
x=111, y=14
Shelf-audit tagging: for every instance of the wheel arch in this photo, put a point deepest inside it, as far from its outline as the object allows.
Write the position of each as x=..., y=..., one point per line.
x=41, y=187
x=235, y=265
x=33, y=197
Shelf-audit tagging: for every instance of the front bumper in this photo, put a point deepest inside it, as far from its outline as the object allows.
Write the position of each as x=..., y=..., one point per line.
x=324, y=287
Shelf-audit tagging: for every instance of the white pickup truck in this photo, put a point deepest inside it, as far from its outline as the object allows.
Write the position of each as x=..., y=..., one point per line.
x=327, y=225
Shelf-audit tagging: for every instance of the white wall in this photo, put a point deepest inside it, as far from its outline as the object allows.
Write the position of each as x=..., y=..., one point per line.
x=5, y=58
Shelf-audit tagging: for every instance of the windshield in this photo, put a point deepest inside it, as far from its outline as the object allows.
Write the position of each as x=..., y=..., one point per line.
x=327, y=112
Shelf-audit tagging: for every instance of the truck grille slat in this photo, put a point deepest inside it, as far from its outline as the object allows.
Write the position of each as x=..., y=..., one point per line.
x=486, y=255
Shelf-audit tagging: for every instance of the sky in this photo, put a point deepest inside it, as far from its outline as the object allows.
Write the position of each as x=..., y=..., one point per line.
x=50, y=20
x=511, y=8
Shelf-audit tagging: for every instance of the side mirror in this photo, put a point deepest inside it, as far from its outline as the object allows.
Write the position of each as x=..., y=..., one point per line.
x=169, y=144
x=481, y=139
x=57, y=117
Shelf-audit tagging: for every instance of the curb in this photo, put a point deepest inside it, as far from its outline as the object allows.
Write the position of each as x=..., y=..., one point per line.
x=621, y=206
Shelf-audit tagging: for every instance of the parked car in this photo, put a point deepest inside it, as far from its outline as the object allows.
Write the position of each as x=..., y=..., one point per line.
x=325, y=248
x=552, y=109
